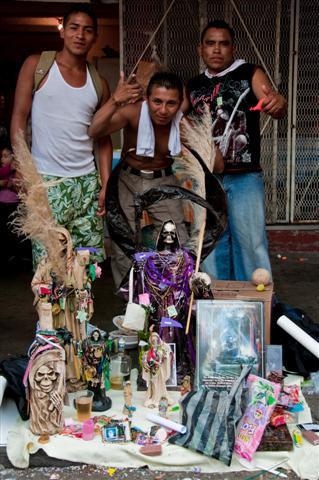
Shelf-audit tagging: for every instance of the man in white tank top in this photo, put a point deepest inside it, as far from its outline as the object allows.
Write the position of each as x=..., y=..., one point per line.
x=61, y=111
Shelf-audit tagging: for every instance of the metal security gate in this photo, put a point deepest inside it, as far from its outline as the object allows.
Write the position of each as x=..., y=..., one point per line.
x=268, y=33
x=304, y=200
x=176, y=41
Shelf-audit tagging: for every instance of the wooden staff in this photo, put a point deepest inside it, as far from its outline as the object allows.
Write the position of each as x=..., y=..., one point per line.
x=199, y=253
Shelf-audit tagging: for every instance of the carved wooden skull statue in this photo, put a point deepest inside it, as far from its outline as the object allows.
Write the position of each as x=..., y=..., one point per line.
x=47, y=390
x=45, y=378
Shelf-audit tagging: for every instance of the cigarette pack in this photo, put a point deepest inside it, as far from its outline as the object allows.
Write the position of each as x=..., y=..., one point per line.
x=311, y=437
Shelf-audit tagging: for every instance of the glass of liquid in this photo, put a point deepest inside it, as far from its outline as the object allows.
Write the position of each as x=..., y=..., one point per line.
x=84, y=406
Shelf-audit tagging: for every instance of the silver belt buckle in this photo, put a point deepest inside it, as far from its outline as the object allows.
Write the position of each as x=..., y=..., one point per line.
x=147, y=173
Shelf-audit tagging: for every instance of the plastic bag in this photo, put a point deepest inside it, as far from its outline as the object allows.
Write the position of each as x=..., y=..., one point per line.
x=211, y=417
x=135, y=313
x=13, y=370
x=262, y=400
x=296, y=358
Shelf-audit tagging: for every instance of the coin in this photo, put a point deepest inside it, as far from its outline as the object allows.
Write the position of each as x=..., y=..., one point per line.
x=44, y=439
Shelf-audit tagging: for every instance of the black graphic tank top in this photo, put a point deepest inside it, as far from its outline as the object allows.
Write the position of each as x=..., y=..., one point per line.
x=235, y=128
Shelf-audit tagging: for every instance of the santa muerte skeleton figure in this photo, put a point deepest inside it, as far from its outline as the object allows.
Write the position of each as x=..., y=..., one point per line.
x=96, y=364
x=71, y=302
x=63, y=278
x=164, y=276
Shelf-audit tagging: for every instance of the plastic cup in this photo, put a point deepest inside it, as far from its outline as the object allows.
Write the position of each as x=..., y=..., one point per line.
x=83, y=405
x=88, y=430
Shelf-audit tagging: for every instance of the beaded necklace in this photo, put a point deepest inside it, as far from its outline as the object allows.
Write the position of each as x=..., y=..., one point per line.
x=166, y=276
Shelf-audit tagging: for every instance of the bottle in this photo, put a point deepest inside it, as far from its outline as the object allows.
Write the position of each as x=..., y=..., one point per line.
x=120, y=367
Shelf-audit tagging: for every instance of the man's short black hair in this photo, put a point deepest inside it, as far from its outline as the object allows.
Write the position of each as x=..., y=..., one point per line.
x=81, y=8
x=218, y=24
x=168, y=80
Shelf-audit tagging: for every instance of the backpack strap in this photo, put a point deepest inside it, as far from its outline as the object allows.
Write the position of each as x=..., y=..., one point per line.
x=97, y=82
x=45, y=63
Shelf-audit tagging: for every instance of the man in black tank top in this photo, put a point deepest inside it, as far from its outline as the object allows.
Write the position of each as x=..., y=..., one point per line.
x=230, y=89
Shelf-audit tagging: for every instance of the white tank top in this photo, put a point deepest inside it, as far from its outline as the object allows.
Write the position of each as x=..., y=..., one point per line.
x=60, y=116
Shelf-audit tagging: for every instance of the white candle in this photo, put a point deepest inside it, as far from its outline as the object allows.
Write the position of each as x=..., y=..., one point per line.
x=298, y=334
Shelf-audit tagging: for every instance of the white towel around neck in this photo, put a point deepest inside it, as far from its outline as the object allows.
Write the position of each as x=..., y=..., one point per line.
x=231, y=68
x=146, y=138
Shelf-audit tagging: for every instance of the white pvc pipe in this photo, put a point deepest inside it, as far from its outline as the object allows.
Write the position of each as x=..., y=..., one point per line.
x=299, y=334
x=164, y=422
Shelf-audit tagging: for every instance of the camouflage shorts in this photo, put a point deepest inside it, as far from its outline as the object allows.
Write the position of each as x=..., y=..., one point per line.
x=74, y=203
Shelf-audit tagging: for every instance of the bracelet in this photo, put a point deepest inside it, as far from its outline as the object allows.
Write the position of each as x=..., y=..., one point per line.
x=116, y=103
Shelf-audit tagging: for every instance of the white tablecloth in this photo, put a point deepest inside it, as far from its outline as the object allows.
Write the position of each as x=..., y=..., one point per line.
x=304, y=461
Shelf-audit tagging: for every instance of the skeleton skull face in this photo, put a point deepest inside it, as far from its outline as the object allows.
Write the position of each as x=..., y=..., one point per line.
x=169, y=233
x=200, y=284
x=45, y=378
x=96, y=335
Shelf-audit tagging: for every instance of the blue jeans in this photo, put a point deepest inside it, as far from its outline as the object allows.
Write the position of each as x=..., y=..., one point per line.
x=243, y=247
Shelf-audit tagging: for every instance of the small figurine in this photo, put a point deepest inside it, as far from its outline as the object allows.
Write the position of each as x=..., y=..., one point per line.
x=186, y=385
x=128, y=409
x=162, y=407
x=96, y=369
x=156, y=363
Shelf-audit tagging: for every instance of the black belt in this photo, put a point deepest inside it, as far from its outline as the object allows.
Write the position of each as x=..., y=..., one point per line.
x=164, y=172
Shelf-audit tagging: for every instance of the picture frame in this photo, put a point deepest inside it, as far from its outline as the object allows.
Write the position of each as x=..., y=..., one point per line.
x=273, y=359
x=229, y=334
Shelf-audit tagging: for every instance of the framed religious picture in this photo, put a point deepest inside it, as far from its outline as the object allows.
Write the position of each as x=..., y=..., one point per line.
x=229, y=335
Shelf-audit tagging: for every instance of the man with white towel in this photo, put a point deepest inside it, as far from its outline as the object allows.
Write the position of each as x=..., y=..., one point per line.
x=151, y=139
